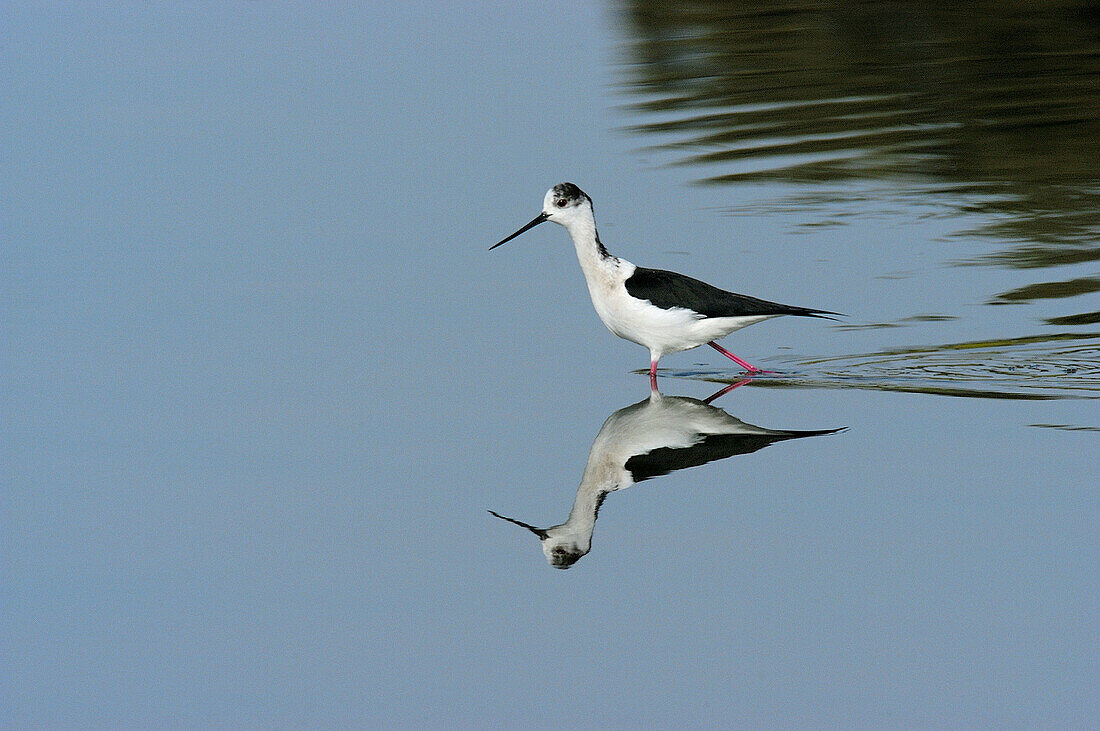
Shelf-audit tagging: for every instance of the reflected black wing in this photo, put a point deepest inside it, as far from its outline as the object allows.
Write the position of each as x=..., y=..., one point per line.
x=669, y=289
x=663, y=460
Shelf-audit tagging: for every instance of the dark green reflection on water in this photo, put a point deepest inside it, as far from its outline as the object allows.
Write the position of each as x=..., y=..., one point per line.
x=1050, y=290
x=992, y=108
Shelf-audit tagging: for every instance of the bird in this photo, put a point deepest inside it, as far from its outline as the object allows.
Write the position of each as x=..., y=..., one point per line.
x=663, y=311
x=654, y=437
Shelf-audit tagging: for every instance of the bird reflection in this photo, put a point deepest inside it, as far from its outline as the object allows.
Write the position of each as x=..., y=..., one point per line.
x=653, y=437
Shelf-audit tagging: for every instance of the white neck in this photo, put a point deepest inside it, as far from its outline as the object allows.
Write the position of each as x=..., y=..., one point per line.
x=590, y=252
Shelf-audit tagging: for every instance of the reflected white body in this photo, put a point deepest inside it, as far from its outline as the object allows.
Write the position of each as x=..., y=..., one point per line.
x=660, y=422
x=670, y=422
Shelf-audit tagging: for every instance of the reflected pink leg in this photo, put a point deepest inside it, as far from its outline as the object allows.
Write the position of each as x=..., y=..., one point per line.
x=747, y=366
x=726, y=390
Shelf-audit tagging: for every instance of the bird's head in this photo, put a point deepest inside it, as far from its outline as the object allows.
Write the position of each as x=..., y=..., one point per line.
x=565, y=201
x=564, y=204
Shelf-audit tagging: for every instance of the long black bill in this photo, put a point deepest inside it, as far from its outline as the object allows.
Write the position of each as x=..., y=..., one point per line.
x=537, y=531
x=538, y=219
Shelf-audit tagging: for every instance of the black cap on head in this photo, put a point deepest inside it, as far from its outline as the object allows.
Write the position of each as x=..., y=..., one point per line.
x=570, y=192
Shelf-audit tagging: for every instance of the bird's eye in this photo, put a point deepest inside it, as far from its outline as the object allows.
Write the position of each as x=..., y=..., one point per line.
x=560, y=203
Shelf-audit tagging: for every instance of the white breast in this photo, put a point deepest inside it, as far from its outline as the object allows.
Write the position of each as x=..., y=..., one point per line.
x=661, y=330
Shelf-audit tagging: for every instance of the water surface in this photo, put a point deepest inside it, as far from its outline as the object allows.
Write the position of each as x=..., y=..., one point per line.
x=263, y=381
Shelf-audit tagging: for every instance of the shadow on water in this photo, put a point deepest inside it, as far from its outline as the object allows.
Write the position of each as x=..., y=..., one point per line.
x=988, y=110
x=1041, y=367
x=654, y=437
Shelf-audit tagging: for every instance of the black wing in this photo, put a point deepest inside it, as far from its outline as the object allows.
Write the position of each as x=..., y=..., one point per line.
x=669, y=289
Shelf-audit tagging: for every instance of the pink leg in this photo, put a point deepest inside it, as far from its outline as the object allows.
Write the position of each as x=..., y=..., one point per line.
x=653, y=375
x=747, y=366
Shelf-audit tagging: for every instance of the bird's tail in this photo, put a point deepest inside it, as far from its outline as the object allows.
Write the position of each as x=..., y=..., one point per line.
x=807, y=312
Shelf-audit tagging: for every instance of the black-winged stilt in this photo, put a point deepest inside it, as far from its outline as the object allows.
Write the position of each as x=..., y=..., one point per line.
x=664, y=311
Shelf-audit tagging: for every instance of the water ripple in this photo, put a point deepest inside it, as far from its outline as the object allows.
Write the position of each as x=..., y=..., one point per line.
x=1063, y=366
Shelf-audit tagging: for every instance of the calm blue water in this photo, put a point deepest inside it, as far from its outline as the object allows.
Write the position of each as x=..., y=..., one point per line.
x=262, y=380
